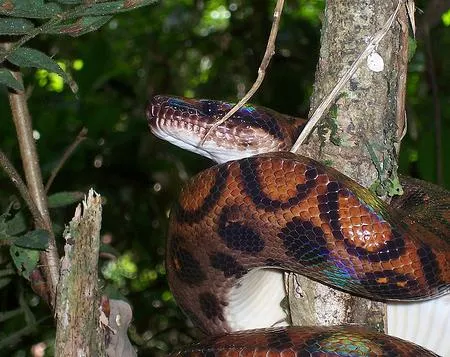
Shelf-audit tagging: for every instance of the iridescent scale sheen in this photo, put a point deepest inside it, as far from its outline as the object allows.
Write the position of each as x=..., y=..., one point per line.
x=289, y=212
x=292, y=209
x=337, y=341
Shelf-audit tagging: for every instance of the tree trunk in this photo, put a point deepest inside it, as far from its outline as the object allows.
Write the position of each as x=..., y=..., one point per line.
x=359, y=135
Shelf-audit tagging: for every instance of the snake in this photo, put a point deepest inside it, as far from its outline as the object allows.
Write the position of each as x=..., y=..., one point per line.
x=262, y=209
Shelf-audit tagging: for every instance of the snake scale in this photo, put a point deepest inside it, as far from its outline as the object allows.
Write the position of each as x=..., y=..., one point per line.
x=262, y=207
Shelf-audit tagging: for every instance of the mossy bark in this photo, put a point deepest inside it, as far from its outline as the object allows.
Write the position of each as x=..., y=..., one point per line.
x=359, y=135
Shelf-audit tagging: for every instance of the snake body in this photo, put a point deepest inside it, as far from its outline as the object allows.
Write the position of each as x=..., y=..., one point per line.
x=335, y=341
x=282, y=211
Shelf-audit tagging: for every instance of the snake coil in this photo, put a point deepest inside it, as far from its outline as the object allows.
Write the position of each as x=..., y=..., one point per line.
x=277, y=210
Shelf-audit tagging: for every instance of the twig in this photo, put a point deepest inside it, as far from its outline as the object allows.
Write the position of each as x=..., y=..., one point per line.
x=411, y=9
x=21, y=187
x=10, y=314
x=326, y=103
x=67, y=153
x=30, y=161
x=270, y=51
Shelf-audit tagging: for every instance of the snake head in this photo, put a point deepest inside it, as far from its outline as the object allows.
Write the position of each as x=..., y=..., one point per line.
x=251, y=130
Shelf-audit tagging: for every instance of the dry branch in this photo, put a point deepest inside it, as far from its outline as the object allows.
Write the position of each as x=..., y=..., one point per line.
x=78, y=331
x=270, y=51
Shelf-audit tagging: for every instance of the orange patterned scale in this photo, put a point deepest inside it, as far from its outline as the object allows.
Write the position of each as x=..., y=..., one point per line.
x=288, y=212
x=284, y=211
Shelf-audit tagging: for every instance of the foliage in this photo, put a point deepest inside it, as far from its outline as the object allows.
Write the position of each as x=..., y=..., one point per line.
x=193, y=48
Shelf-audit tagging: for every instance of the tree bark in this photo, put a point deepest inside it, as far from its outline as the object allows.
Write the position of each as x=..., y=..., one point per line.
x=78, y=328
x=359, y=135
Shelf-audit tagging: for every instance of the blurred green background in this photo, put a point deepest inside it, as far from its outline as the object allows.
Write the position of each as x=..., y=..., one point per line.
x=208, y=49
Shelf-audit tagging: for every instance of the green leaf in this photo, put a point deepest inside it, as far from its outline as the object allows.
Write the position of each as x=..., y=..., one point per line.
x=37, y=239
x=25, y=260
x=412, y=47
x=81, y=26
x=34, y=9
x=16, y=225
x=29, y=57
x=62, y=199
x=111, y=7
x=7, y=79
x=394, y=187
x=446, y=18
x=15, y=26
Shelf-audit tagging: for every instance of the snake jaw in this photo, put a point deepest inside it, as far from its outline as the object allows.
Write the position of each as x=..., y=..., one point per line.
x=184, y=122
x=172, y=126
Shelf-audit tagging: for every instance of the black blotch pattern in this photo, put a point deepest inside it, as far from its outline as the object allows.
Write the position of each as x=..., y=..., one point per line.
x=430, y=266
x=228, y=265
x=252, y=186
x=210, y=200
x=305, y=242
x=238, y=236
x=392, y=249
x=187, y=268
x=329, y=208
x=279, y=340
x=398, y=285
x=210, y=306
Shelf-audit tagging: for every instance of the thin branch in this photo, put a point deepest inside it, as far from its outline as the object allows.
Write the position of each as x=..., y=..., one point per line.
x=30, y=161
x=8, y=167
x=67, y=153
x=411, y=10
x=327, y=102
x=270, y=51
x=4, y=316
